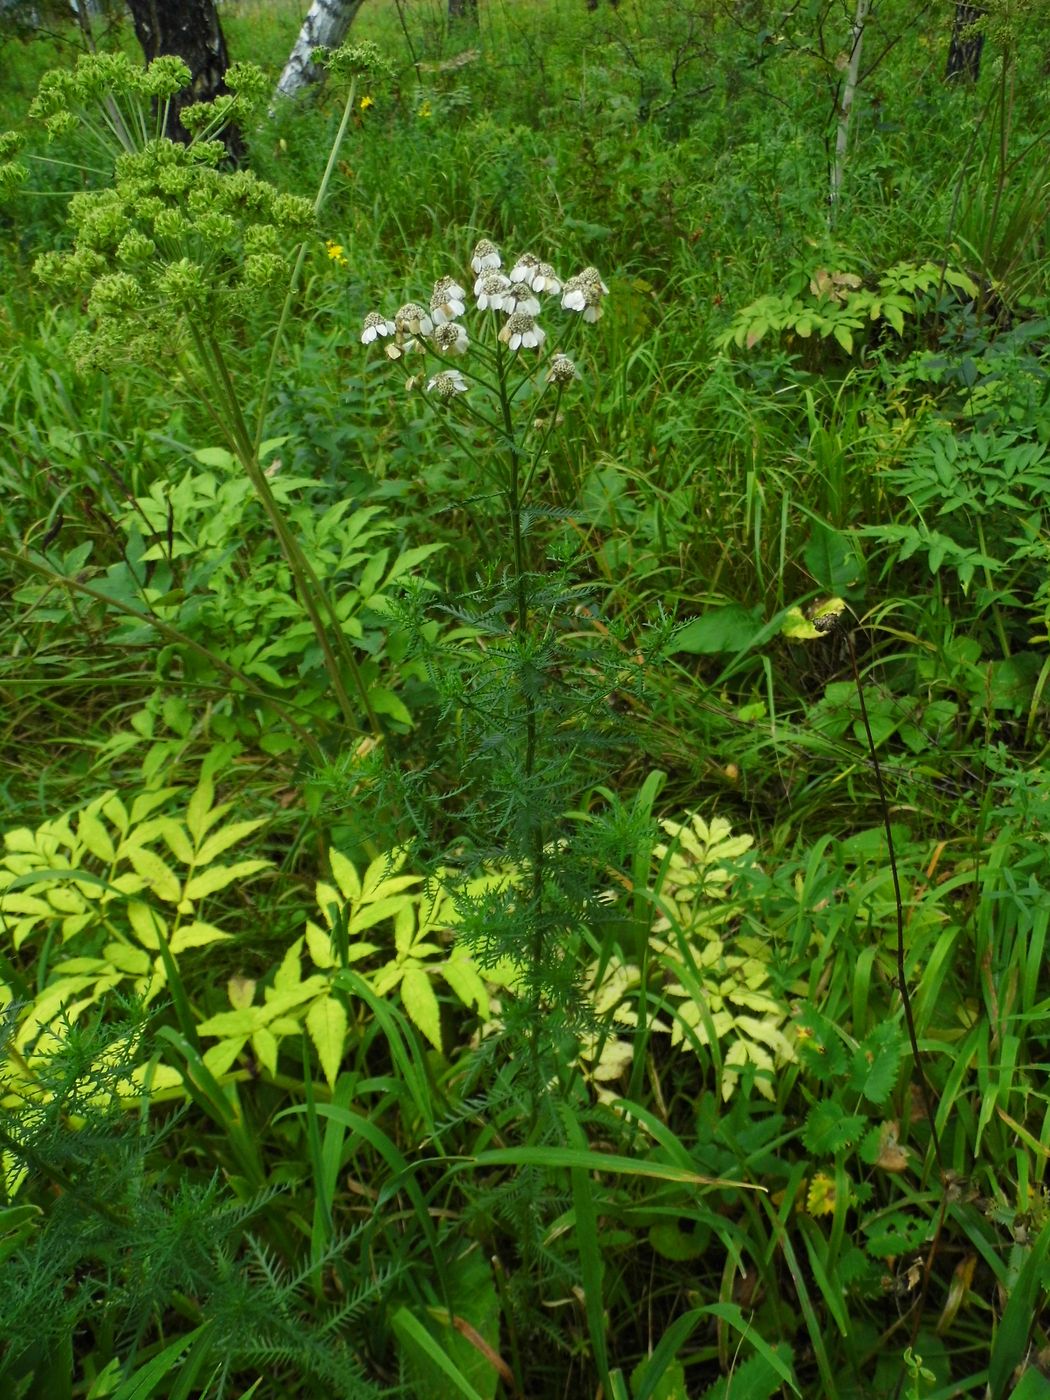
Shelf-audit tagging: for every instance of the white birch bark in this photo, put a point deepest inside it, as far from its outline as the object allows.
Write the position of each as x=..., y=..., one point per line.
x=846, y=107
x=325, y=26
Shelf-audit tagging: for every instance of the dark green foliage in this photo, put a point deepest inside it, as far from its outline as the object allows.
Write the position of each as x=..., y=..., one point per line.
x=772, y=410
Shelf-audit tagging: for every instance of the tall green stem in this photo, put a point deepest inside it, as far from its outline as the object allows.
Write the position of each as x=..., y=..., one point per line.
x=307, y=585
x=293, y=283
x=515, y=503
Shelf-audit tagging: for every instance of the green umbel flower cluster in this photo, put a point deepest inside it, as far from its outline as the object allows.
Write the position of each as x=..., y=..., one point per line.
x=174, y=245
x=175, y=240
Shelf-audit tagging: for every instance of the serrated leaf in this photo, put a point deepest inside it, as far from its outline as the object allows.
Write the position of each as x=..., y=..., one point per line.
x=821, y=1196
x=829, y=1129
x=243, y=1022
x=114, y=810
x=147, y=925
x=177, y=841
x=371, y=914
x=196, y=935
x=421, y=1004
x=344, y=872
x=226, y=837
x=327, y=1022
x=876, y=1062
x=465, y=980
x=214, y=457
x=95, y=838
x=217, y=877
x=319, y=946
x=264, y=1043
x=147, y=802
x=157, y=874
x=220, y=1057
x=290, y=972
x=198, y=809
x=380, y=871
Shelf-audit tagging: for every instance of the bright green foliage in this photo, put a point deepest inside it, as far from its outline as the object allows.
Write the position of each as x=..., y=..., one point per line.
x=439, y=1106
x=836, y=305
x=717, y=982
x=415, y=916
x=114, y=896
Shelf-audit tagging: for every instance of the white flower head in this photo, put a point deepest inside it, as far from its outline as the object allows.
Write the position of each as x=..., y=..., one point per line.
x=545, y=279
x=523, y=269
x=447, y=384
x=374, y=326
x=561, y=371
x=448, y=301
x=486, y=257
x=412, y=318
x=520, y=298
x=450, y=338
x=591, y=274
x=584, y=293
x=491, y=290
x=521, y=330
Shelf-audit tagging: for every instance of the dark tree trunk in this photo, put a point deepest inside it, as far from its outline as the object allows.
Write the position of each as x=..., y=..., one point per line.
x=964, y=53
x=190, y=29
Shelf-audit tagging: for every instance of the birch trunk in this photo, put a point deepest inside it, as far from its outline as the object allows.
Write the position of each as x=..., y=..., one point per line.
x=325, y=26
x=849, y=91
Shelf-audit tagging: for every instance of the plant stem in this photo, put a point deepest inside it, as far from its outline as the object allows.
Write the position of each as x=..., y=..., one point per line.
x=902, y=978
x=293, y=283
x=307, y=585
x=515, y=502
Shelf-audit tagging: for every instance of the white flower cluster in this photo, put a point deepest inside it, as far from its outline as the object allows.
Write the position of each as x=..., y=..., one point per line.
x=514, y=294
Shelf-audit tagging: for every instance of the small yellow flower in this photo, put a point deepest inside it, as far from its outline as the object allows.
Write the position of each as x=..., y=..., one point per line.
x=335, y=252
x=425, y=111
x=366, y=102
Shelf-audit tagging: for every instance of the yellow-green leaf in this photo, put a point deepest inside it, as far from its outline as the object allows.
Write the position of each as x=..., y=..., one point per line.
x=419, y=1001
x=177, y=841
x=243, y=1022
x=126, y=958
x=264, y=1043
x=290, y=972
x=226, y=837
x=381, y=871
x=95, y=838
x=112, y=808
x=196, y=935
x=149, y=928
x=465, y=980
x=220, y=1057
x=345, y=875
x=158, y=875
x=240, y=990
x=319, y=946
x=199, y=809
x=217, y=877
x=371, y=914
x=326, y=1022
x=65, y=900
x=147, y=802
